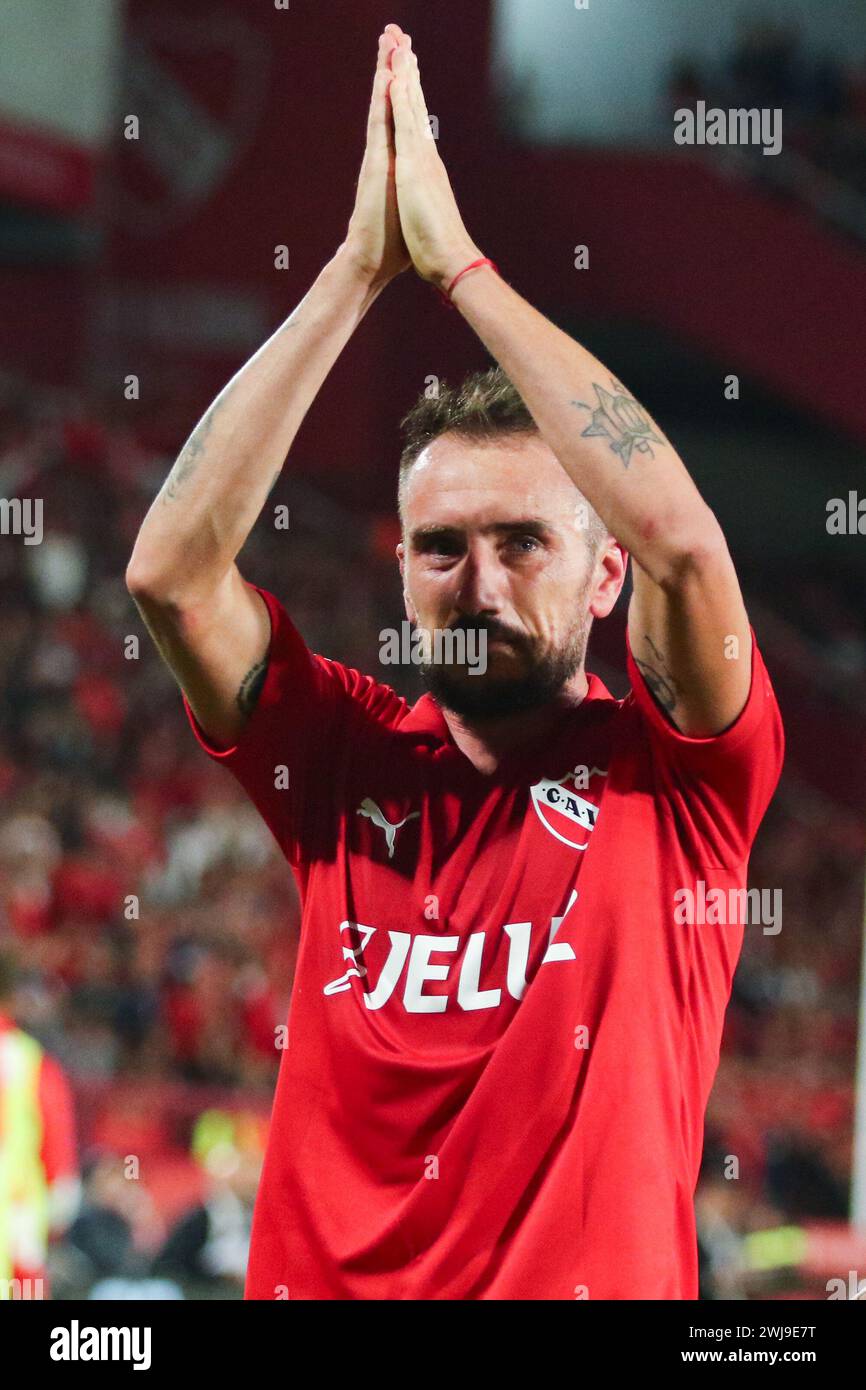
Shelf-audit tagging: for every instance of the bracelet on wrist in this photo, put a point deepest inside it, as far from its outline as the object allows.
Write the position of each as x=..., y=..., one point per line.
x=445, y=295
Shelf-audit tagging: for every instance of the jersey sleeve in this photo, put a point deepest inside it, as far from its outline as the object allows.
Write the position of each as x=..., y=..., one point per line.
x=288, y=756
x=717, y=788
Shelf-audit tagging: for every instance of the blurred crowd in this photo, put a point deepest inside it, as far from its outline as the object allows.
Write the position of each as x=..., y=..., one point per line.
x=156, y=925
x=782, y=1103
x=822, y=96
x=154, y=922
x=830, y=618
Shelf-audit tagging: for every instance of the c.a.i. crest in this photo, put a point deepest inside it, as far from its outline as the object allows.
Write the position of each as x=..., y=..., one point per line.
x=568, y=807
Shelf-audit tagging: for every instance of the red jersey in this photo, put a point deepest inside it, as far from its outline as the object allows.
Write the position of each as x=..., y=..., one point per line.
x=501, y=1038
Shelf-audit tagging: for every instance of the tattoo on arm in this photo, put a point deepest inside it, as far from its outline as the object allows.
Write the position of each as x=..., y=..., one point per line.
x=658, y=677
x=251, y=687
x=617, y=417
x=192, y=451
x=194, y=448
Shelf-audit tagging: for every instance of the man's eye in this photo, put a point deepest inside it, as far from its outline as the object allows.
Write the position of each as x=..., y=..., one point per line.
x=525, y=544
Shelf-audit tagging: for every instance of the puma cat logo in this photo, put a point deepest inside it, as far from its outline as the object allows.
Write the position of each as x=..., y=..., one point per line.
x=369, y=808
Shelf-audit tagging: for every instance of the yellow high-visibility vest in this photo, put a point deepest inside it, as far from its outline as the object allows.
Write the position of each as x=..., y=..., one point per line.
x=23, y=1185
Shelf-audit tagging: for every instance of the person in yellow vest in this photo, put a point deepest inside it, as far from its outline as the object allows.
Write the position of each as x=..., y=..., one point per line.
x=39, y=1181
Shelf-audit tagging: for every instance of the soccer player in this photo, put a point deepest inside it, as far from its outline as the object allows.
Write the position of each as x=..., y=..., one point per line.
x=504, y=1025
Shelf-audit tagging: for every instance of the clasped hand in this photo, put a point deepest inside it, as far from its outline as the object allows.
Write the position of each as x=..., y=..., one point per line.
x=405, y=210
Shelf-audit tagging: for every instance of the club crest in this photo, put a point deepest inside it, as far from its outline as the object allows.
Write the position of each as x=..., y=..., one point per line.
x=564, y=806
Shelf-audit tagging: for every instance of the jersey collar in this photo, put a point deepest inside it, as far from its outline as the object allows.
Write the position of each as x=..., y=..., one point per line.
x=426, y=717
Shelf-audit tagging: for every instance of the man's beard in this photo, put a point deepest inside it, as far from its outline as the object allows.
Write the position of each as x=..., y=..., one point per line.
x=487, y=696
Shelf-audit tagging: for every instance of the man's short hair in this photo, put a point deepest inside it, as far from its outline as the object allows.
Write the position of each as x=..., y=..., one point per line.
x=485, y=407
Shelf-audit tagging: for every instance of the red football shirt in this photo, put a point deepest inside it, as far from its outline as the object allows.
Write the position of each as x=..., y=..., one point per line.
x=501, y=1041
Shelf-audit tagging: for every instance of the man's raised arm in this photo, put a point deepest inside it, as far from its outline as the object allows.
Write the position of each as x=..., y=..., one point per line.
x=687, y=625
x=210, y=627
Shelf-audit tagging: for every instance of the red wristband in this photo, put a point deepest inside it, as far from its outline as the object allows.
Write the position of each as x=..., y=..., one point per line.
x=483, y=260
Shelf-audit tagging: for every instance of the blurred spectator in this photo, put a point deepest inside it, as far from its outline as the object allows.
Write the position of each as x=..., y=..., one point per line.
x=39, y=1188
x=211, y=1241
x=764, y=67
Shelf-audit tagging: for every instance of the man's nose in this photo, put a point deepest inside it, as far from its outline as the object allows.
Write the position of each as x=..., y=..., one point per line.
x=482, y=583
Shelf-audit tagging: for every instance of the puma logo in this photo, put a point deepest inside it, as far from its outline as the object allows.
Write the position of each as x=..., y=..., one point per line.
x=369, y=808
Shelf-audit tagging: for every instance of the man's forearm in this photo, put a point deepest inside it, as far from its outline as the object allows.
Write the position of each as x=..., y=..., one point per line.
x=609, y=446
x=220, y=481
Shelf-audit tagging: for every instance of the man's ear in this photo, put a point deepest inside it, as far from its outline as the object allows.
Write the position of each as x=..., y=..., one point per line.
x=611, y=570
x=407, y=602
